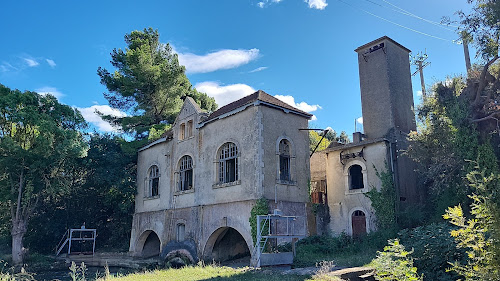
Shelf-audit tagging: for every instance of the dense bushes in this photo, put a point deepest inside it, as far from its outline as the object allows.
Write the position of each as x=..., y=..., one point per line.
x=433, y=248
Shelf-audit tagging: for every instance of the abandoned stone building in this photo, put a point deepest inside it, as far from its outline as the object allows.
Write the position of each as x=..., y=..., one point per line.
x=342, y=174
x=198, y=183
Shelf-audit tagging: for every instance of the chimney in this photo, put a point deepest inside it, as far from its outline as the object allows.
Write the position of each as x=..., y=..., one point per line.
x=357, y=137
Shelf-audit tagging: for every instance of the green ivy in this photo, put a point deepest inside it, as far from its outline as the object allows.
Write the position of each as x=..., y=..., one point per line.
x=261, y=208
x=384, y=201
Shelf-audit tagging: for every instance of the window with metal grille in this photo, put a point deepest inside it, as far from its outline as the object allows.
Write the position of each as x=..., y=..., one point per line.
x=284, y=151
x=185, y=173
x=228, y=163
x=356, y=177
x=154, y=180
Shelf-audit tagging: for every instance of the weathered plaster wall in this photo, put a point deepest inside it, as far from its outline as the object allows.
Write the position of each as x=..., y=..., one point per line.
x=278, y=125
x=342, y=201
x=318, y=166
x=209, y=208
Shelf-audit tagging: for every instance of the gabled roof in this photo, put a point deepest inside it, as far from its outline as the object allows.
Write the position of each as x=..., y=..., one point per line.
x=380, y=40
x=250, y=99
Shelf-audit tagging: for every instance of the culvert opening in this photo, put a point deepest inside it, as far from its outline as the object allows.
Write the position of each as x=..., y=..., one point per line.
x=151, y=246
x=230, y=245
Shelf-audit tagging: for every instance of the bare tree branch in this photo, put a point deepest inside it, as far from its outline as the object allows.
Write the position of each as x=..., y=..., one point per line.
x=482, y=79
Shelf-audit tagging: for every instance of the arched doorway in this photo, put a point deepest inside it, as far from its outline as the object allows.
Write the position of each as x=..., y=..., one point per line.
x=152, y=244
x=226, y=243
x=358, y=219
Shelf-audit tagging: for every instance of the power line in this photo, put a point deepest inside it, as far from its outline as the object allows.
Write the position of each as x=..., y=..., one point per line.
x=405, y=12
x=397, y=24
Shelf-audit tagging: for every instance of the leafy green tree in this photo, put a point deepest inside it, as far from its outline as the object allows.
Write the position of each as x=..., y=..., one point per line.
x=148, y=83
x=480, y=233
x=445, y=141
x=314, y=139
x=331, y=135
x=480, y=28
x=101, y=196
x=39, y=143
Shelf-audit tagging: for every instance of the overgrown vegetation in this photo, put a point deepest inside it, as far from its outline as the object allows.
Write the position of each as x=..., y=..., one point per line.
x=479, y=233
x=261, y=207
x=384, y=201
x=342, y=249
x=433, y=249
x=395, y=264
x=208, y=272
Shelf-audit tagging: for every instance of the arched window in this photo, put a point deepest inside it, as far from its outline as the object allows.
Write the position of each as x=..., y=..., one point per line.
x=227, y=167
x=284, y=153
x=154, y=180
x=185, y=173
x=356, y=177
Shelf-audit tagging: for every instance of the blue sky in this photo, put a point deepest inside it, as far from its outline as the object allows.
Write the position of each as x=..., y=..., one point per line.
x=302, y=51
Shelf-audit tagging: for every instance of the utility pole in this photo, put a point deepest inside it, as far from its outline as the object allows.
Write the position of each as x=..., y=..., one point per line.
x=465, y=43
x=420, y=61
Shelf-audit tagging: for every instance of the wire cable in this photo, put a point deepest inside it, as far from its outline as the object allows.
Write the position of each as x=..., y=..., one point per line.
x=400, y=25
x=405, y=12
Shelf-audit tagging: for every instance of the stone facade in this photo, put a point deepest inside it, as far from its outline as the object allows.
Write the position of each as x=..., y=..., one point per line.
x=351, y=170
x=197, y=184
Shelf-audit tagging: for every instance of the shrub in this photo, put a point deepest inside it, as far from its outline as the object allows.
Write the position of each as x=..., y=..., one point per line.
x=395, y=264
x=433, y=249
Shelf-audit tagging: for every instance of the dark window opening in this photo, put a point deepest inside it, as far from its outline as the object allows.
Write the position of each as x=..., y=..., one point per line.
x=186, y=173
x=154, y=181
x=284, y=150
x=356, y=177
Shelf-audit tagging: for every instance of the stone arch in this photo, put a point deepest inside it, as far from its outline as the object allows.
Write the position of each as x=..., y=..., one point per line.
x=226, y=243
x=367, y=219
x=148, y=244
x=288, y=139
x=347, y=178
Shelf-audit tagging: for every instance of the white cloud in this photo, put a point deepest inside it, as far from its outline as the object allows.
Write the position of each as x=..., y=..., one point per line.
x=317, y=4
x=419, y=93
x=265, y=3
x=229, y=93
x=258, y=69
x=6, y=67
x=224, y=94
x=360, y=120
x=313, y=118
x=51, y=63
x=91, y=116
x=301, y=105
x=50, y=90
x=31, y=62
x=223, y=59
